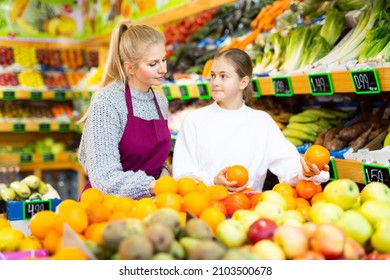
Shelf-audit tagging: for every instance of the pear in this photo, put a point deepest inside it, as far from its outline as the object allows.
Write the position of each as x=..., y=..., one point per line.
x=177, y=250
x=238, y=253
x=32, y=181
x=199, y=229
x=166, y=216
x=161, y=237
x=162, y=256
x=43, y=188
x=21, y=189
x=117, y=230
x=7, y=194
x=207, y=249
x=136, y=247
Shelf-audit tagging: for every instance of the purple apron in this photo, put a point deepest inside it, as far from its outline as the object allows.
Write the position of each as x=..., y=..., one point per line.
x=145, y=144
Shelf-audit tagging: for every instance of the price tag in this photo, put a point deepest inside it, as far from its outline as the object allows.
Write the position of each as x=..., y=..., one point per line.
x=256, y=88
x=167, y=91
x=36, y=95
x=332, y=170
x=184, y=92
x=59, y=95
x=25, y=157
x=365, y=81
x=64, y=127
x=8, y=95
x=321, y=84
x=44, y=127
x=282, y=86
x=19, y=127
x=376, y=173
x=203, y=90
x=30, y=208
x=47, y=157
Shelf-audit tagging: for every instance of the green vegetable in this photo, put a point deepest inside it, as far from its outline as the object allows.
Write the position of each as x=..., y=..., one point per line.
x=333, y=25
x=350, y=5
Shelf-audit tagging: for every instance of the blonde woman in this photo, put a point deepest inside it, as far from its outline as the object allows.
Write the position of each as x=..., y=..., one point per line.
x=126, y=140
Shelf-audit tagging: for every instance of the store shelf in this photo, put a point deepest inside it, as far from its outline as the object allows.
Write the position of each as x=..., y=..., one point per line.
x=34, y=126
x=35, y=95
x=169, y=15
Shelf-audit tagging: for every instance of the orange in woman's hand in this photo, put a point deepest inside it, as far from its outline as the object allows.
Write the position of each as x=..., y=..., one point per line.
x=237, y=173
x=317, y=154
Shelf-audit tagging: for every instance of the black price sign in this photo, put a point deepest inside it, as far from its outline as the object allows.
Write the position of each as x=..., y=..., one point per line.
x=47, y=157
x=30, y=208
x=365, y=81
x=332, y=170
x=204, y=90
x=44, y=127
x=25, y=157
x=321, y=84
x=167, y=91
x=8, y=95
x=184, y=92
x=376, y=173
x=282, y=86
x=19, y=127
x=256, y=88
x=36, y=95
x=59, y=95
x=64, y=127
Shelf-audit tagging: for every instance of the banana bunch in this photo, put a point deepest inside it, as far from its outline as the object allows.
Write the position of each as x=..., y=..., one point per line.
x=28, y=188
x=387, y=138
x=282, y=119
x=307, y=125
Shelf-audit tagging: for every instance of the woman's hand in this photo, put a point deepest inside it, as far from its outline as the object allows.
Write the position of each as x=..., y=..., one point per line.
x=312, y=170
x=220, y=179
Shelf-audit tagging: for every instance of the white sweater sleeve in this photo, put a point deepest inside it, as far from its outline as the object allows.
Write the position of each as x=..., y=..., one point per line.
x=185, y=160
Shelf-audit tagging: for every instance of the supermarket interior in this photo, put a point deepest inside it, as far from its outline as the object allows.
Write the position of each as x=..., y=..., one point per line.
x=320, y=72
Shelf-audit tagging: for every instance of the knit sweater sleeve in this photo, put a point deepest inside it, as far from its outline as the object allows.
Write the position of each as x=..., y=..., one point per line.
x=99, y=153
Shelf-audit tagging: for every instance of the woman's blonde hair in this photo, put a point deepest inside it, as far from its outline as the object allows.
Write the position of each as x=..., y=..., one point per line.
x=128, y=43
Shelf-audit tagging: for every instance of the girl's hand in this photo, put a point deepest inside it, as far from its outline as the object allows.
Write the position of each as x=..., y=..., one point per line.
x=312, y=170
x=220, y=179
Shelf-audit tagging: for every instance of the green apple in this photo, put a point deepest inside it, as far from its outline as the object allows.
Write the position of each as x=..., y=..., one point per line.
x=231, y=233
x=380, y=239
x=292, y=217
x=292, y=239
x=375, y=191
x=270, y=210
x=343, y=192
x=355, y=226
x=268, y=250
x=375, y=210
x=325, y=212
x=245, y=217
x=275, y=197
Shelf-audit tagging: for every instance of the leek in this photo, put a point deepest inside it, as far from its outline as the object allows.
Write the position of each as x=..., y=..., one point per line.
x=366, y=22
x=333, y=25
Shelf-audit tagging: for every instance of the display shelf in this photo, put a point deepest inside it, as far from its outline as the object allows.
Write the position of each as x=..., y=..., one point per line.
x=38, y=126
x=176, y=13
x=36, y=95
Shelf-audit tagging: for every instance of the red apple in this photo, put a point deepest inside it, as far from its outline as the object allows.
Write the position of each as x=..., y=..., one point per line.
x=353, y=250
x=310, y=255
x=328, y=240
x=260, y=229
x=292, y=240
x=372, y=256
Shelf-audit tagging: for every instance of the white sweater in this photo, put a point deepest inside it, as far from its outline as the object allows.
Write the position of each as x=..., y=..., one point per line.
x=212, y=138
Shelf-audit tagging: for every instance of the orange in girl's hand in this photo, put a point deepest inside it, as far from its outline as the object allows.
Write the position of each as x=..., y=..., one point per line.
x=237, y=173
x=317, y=154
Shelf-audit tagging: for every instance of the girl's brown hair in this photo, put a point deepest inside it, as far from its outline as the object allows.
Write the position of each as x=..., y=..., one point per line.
x=242, y=63
x=128, y=43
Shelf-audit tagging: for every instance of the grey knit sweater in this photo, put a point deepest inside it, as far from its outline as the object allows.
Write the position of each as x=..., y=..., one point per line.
x=98, y=151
